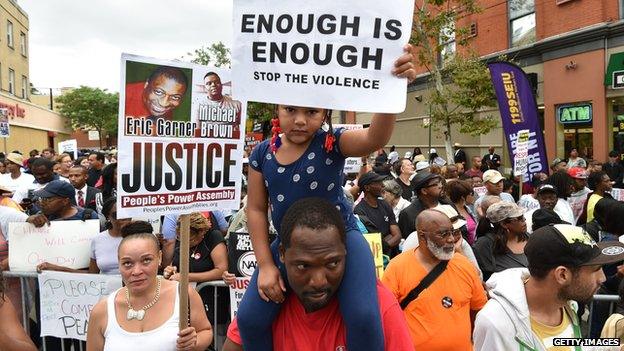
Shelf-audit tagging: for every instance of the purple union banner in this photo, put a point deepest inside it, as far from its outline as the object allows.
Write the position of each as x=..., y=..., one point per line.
x=518, y=110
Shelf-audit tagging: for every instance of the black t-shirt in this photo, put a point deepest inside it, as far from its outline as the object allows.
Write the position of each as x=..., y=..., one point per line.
x=199, y=256
x=408, y=191
x=382, y=216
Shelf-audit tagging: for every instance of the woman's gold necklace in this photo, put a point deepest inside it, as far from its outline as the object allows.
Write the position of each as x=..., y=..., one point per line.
x=140, y=314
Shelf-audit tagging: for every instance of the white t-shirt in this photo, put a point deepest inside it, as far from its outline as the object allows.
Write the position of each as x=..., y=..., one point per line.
x=13, y=184
x=9, y=215
x=528, y=202
x=563, y=209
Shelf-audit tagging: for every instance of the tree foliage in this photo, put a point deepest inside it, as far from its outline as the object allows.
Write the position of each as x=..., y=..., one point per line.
x=90, y=108
x=460, y=81
x=219, y=55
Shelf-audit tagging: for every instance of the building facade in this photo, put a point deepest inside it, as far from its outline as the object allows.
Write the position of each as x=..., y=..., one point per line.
x=31, y=125
x=570, y=48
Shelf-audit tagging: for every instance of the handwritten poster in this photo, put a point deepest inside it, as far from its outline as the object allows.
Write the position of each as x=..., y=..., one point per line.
x=67, y=300
x=64, y=243
x=374, y=241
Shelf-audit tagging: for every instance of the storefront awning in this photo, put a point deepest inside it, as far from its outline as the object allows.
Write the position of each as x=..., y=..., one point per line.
x=616, y=63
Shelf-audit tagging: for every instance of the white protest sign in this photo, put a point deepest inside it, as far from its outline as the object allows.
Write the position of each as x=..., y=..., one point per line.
x=521, y=157
x=69, y=147
x=67, y=300
x=64, y=243
x=324, y=53
x=352, y=164
x=184, y=141
x=236, y=294
x=480, y=191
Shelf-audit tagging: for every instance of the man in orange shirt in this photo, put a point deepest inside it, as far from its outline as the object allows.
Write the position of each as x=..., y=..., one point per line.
x=439, y=318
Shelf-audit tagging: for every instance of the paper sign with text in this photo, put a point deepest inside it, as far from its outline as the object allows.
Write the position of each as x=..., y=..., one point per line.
x=64, y=243
x=374, y=241
x=324, y=53
x=352, y=164
x=521, y=156
x=183, y=136
x=67, y=300
x=69, y=147
x=236, y=294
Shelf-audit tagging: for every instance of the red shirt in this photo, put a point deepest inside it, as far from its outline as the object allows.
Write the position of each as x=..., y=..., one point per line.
x=294, y=329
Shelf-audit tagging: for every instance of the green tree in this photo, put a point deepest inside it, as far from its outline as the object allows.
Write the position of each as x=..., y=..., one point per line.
x=219, y=55
x=91, y=108
x=459, y=80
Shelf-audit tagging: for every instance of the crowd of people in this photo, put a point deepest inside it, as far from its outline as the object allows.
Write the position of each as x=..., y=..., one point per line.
x=474, y=260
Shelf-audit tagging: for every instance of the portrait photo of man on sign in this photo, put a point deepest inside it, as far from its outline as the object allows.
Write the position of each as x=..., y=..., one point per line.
x=155, y=94
x=217, y=113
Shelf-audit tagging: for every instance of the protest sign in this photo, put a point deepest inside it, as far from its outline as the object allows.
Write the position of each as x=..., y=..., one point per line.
x=324, y=53
x=236, y=294
x=352, y=164
x=375, y=244
x=480, y=191
x=64, y=243
x=521, y=155
x=4, y=123
x=184, y=137
x=69, y=147
x=252, y=139
x=67, y=300
x=241, y=258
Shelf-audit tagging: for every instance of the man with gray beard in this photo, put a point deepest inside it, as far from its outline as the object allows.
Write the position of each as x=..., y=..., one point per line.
x=439, y=291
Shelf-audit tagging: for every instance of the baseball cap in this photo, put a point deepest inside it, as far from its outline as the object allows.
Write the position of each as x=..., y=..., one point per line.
x=568, y=245
x=452, y=214
x=545, y=188
x=501, y=211
x=421, y=179
x=421, y=165
x=15, y=158
x=369, y=178
x=57, y=188
x=457, y=144
x=555, y=162
x=493, y=176
x=578, y=173
x=433, y=151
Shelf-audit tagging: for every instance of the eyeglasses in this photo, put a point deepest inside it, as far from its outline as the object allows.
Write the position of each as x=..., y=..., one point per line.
x=445, y=234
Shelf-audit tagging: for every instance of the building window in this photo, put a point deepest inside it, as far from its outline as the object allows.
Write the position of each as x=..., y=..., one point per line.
x=11, y=81
x=24, y=87
x=522, y=22
x=23, y=43
x=9, y=33
x=447, y=42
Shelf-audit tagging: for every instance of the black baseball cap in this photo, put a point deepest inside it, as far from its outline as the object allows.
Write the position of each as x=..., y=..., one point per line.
x=546, y=188
x=570, y=246
x=369, y=178
x=58, y=188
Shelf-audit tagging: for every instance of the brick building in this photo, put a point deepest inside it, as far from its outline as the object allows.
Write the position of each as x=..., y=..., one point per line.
x=570, y=48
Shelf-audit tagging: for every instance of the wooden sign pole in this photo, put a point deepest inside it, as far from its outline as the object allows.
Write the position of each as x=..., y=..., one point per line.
x=185, y=228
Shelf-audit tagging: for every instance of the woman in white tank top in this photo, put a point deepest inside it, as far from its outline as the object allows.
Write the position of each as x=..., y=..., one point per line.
x=144, y=314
